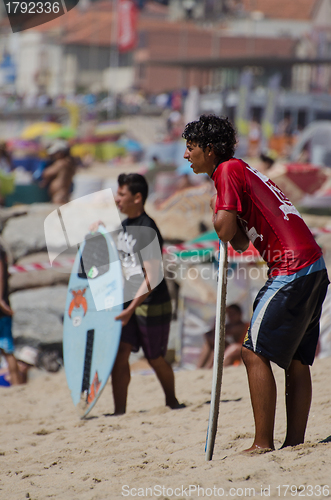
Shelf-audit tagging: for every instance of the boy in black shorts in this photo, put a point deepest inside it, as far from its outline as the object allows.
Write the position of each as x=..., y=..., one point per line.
x=285, y=323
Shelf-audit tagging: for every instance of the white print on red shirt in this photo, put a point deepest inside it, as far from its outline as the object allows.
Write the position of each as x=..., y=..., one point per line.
x=286, y=206
x=253, y=234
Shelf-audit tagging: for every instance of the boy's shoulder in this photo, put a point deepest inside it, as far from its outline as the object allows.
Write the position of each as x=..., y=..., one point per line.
x=232, y=167
x=233, y=164
x=142, y=220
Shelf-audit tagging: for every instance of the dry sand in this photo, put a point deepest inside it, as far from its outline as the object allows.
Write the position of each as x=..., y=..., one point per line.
x=46, y=451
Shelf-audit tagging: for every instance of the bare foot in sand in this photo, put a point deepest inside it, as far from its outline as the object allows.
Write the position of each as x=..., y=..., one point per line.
x=257, y=450
x=175, y=405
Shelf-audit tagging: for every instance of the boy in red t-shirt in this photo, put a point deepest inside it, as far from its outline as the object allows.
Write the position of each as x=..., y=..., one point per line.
x=286, y=312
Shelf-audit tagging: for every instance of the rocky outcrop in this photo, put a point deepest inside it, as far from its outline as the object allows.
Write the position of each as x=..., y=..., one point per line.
x=38, y=313
x=24, y=234
x=23, y=280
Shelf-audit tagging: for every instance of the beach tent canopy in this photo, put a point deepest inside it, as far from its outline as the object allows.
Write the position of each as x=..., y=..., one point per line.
x=296, y=180
x=315, y=140
x=309, y=178
x=321, y=199
x=208, y=242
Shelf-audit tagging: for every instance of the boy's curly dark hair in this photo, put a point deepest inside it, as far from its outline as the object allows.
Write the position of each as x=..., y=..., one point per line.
x=215, y=131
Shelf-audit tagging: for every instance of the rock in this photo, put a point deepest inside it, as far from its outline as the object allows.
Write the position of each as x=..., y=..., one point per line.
x=37, y=278
x=49, y=227
x=10, y=212
x=38, y=313
x=25, y=234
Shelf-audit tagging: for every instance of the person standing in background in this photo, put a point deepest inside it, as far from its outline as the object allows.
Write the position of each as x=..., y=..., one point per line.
x=6, y=313
x=58, y=176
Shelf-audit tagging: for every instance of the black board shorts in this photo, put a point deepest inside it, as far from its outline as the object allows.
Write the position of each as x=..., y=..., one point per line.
x=149, y=328
x=286, y=315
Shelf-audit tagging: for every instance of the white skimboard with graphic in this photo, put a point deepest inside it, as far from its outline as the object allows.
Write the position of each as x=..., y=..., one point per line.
x=91, y=334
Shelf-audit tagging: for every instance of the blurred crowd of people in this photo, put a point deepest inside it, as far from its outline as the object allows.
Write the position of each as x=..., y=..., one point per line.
x=129, y=102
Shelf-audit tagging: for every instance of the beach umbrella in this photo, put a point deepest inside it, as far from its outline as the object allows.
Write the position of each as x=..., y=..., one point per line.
x=63, y=133
x=131, y=145
x=39, y=129
x=109, y=128
x=21, y=144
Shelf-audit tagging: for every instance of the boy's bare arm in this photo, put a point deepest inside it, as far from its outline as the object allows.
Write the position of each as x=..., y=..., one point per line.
x=150, y=272
x=240, y=241
x=227, y=228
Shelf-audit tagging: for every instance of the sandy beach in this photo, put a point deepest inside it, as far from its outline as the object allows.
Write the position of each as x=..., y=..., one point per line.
x=46, y=451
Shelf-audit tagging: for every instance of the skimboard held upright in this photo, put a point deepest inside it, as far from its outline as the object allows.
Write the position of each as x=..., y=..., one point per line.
x=218, y=351
x=91, y=335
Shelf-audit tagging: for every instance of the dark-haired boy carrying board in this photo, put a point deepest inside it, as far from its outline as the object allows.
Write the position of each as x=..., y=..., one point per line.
x=285, y=324
x=146, y=312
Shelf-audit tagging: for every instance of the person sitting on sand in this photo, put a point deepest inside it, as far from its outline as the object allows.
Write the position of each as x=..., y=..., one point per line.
x=26, y=358
x=285, y=324
x=146, y=314
x=235, y=331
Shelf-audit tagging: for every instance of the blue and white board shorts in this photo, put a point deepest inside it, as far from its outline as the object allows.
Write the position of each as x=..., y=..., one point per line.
x=286, y=314
x=6, y=337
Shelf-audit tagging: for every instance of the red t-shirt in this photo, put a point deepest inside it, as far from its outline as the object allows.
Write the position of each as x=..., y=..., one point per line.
x=271, y=222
